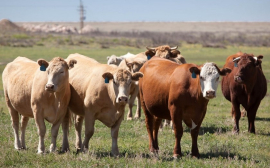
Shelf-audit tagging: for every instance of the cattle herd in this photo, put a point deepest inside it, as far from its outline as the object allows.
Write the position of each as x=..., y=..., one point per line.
x=166, y=87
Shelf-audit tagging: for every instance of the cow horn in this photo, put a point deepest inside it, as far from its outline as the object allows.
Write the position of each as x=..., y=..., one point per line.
x=255, y=58
x=174, y=48
x=236, y=59
x=151, y=49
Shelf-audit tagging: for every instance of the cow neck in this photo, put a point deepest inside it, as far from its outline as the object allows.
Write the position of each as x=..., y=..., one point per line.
x=59, y=96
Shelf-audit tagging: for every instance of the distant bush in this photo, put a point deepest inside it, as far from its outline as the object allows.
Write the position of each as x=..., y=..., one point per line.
x=21, y=36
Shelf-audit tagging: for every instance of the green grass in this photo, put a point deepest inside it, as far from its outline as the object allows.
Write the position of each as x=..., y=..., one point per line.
x=217, y=145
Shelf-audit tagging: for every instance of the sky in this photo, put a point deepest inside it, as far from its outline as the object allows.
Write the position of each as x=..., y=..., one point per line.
x=136, y=10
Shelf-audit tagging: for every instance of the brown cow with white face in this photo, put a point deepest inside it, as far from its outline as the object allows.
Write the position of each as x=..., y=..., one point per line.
x=168, y=91
x=42, y=95
x=98, y=92
x=245, y=86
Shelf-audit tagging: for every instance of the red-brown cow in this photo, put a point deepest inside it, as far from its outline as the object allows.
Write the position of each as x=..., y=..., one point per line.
x=168, y=91
x=246, y=85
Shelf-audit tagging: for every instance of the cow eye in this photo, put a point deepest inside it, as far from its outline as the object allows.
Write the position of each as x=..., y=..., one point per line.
x=114, y=82
x=217, y=78
x=202, y=78
x=62, y=72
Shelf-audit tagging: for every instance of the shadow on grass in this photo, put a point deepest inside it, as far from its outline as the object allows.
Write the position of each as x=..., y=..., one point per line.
x=262, y=119
x=211, y=130
x=169, y=156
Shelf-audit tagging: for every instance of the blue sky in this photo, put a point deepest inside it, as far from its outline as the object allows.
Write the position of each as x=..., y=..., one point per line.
x=136, y=10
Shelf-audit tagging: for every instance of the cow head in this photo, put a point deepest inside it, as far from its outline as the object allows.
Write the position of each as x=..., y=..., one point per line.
x=163, y=52
x=121, y=81
x=209, y=78
x=114, y=60
x=134, y=66
x=246, y=67
x=57, y=70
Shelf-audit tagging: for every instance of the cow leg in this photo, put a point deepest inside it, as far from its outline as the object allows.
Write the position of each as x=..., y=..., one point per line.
x=130, y=105
x=157, y=122
x=149, y=120
x=89, y=129
x=65, y=128
x=236, y=113
x=138, y=110
x=251, y=114
x=114, y=134
x=41, y=131
x=24, y=121
x=54, y=133
x=194, y=136
x=178, y=129
x=15, y=124
x=78, y=131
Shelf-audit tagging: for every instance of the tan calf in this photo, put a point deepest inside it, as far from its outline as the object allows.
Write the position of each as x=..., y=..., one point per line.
x=42, y=95
x=93, y=99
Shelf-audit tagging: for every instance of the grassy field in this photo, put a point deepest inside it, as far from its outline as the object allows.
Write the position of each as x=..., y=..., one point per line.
x=217, y=145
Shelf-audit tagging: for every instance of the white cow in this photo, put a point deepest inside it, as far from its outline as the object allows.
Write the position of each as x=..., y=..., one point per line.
x=115, y=60
x=42, y=95
x=98, y=92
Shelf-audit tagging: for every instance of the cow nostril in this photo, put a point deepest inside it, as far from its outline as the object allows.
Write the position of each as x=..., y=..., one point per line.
x=210, y=93
x=122, y=99
x=50, y=86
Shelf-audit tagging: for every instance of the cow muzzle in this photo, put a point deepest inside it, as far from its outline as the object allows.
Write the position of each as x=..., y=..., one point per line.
x=238, y=79
x=210, y=94
x=49, y=87
x=122, y=99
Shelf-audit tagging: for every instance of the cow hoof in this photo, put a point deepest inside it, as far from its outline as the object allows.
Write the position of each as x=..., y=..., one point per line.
x=235, y=132
x=129, y=118
x=115, y=154
x=197, y=156
x=18, y=148
x=40, y=152
x=52, y=148
x=136, y=116
x=64, y=150
x=176, y=156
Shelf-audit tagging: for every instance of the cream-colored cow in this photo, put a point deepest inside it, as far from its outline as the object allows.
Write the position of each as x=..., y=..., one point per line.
x=93, y=99
x=42, y=95
x=134, y=63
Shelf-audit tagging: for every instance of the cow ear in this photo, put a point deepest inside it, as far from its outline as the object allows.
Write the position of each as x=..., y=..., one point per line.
x=71, y=63
x=225, y=71
x=174, y=53
x=150, y=53
x=260, y=57
x=136, y=76
x=259, y=60
x=129, y=65
x=43, y=64
x=107, y=75
x=196, y=70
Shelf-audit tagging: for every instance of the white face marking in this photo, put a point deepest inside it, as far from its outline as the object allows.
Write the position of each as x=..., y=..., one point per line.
x=193, y=125
x=209, y=77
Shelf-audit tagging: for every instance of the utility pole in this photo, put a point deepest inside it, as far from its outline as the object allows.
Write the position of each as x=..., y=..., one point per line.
x=82, y=14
